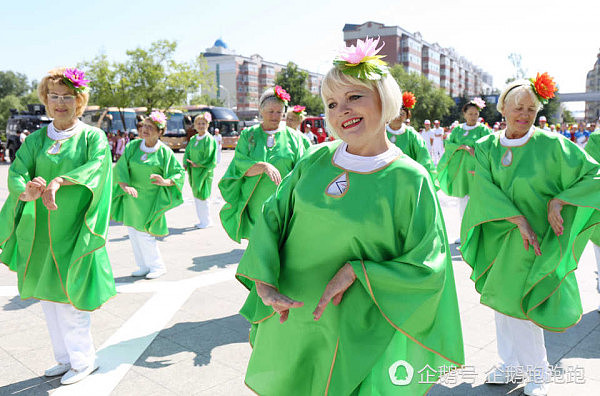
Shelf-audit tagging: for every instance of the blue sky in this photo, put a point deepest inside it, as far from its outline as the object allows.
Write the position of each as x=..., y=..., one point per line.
x=560, y=37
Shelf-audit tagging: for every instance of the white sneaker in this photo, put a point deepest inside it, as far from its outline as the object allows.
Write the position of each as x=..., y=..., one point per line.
x=202, y=226
x=533, y=389
x=73, y=375
x=156, y=274
x=500, y=375
x=457, y=241
x=59, y=369
x=140, y=272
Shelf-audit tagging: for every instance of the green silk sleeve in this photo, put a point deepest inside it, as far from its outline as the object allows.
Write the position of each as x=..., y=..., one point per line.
x=186, y=155
x=121, y=175
x=592, y=146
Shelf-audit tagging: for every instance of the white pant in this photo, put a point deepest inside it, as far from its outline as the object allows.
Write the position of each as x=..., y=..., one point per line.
x=462, y=205
x=521, y=345
x=597, y=254
x=70, y=333
x=203, y=211
x=437, y=150
x=218, y=154
x=145, y=250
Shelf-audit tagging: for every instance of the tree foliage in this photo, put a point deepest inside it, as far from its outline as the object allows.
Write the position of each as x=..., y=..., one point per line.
x=432, y=103
x=149, y=77
x=295, y=82
x=12, y=83
x=15, y=93
x=205, y=99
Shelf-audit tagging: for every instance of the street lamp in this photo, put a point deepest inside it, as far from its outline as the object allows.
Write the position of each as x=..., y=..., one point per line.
x=227, y=92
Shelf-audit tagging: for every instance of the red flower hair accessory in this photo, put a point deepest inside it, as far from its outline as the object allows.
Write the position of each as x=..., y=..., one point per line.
x=544, y=87
x=299, y=110
x=408, y=100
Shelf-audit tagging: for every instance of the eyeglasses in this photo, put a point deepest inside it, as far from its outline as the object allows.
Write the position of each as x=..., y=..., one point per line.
x=64, y=98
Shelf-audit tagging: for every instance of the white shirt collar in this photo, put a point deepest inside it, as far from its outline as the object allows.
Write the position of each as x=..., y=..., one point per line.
x=357, y=163
x=396, y=131
x=56, y=134
x=468, y=128
x=147, y=149
x=198, y=137
x=506, y=142
x=272, y=132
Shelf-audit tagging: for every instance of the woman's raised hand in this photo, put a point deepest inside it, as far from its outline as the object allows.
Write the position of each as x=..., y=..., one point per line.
x=527, y=233
x=160, y=181
x=49, y=194
x=268, y=169
x=280, y=303
x=335, y=289
x=33, y=189
x=470, y=149
x=193, y=164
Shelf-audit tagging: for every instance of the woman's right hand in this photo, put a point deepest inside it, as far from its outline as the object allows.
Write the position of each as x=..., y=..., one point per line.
x=129, y=190
x=470, y=149
x=33, y=189
x=280, y=303
x=527, y=233
x=268, y=169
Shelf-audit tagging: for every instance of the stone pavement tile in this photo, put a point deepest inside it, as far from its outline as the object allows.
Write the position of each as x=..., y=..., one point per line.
x=203, y=339
x=136, y=384
x=31, y=339
x=163, y=352
x=18, y=379
x=572, y=336
x=478, y=326
x=16, y=321
x=235, y=356
x=590, y=387
x=203, y=306
x=232, y=291
x=189, y=376
x=234, y=387
x=124, y=305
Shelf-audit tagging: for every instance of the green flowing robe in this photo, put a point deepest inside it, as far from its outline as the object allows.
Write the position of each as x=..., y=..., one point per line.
x=510, y=279
x=412, y=144
x=245, y=195
x=204, y=153
x=146, y=213
x=60, y=255
x=402, y=306
x=456, y=167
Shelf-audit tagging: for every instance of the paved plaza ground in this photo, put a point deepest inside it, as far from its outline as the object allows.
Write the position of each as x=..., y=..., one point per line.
x=182, y=334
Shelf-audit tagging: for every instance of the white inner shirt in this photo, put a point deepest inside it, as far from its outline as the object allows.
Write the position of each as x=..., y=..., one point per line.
x=507, y=142
x=358, y=163
x=396, y=131
x=57, y=134
x=147, y=149
x=468, y=128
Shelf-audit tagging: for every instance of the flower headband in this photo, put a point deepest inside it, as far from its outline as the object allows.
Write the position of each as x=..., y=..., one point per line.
x=75, y=79
x=480, y=103
x=282, y=94
x=206, y=115
x=544, y=87
x=299, y=110
x=159, y=119
x=408, y=100
x=361, y=61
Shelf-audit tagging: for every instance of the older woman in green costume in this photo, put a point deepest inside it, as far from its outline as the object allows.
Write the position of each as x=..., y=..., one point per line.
x=54, y=223
x=265, y=153
x=357, y=224
x=534, y=204
x=148, y=183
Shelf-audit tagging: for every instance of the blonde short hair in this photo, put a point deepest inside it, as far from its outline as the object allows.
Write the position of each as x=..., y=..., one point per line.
x=514, y=92
x=56, y=77
x=387, y=88
x=298, y=116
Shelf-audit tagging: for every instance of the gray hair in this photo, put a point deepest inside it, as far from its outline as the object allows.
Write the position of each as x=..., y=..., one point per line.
x=268, y=96
x=514, y=92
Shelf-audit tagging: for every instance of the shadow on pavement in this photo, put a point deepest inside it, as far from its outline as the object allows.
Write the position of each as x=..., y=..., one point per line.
x=456, y=256
x=32, y=386
x=16, y=303
x=220, y=260
x=179, y=231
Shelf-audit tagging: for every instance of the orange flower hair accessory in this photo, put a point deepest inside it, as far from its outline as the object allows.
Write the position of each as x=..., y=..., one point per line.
x=408, y=100
x=544, y=87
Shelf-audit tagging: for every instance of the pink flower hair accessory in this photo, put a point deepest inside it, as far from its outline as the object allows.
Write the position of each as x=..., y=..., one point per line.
x=75, y=79
x=362, y=60
x=159, y=119
x=299, y=110
x=207, y=116
x=282, y=94
x=480, y=103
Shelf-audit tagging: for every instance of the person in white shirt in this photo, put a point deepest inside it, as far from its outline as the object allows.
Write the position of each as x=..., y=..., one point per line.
x=23, y=135
x=437, y=147
x=543, y=123
x=219, y=140
x=427, y=134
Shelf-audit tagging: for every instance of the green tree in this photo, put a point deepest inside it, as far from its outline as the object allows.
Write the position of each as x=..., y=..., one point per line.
x=158, y=81
x=567, y=116
x=12, y=83
x=205, y=99
x=295, y=82
x=6, y=103
x=432, y=103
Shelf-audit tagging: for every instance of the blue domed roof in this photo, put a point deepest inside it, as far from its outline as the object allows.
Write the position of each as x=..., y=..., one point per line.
x=220, y=43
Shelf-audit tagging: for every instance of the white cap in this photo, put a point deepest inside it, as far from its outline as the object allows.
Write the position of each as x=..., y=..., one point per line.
x=543, y=118
x=436, y=121
x=427, y=122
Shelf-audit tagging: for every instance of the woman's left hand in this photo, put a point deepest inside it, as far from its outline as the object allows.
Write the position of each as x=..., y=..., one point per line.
x=49, y=194
x=160, y=181
x=470, y=149
x=554, y=217
x=193, y=164
x=335, y=289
